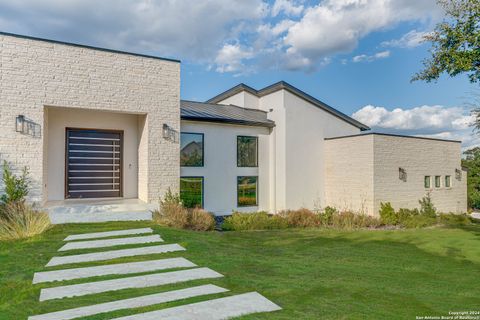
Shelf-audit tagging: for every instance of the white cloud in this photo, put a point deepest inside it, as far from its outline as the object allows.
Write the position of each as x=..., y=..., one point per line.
x=410, y=39
x=289, y=34
x=428, y=121
x=336, y=26
x=367, y=58
x=288, y=7
x=230, y=57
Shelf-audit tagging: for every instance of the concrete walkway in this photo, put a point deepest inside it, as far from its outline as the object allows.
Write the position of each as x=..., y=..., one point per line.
x=219, y=308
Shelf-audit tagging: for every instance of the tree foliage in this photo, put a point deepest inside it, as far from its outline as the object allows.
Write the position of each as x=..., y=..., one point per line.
x=455, y=42
x=472, y=163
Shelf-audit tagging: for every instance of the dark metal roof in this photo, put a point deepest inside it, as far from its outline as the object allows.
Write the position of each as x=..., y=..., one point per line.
x=299, y=93
x=392, y=135
x=211, y=112
x=86, y=46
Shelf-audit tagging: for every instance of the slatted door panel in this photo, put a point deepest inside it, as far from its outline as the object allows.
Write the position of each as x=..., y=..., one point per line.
x=93, y=163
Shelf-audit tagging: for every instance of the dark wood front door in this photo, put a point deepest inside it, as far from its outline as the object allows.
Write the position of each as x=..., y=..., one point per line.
x=93, y=163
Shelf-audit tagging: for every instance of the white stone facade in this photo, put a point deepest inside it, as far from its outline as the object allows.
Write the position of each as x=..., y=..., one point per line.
x=36, y=75
x=363, y=171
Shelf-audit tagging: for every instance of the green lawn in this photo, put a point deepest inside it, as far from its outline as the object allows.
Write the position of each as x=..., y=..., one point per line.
x=312, y=274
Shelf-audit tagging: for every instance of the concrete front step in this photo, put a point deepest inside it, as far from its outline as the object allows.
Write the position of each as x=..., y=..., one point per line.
x=151, y=280
x=138, y=302
x=61, y=218
x=217, y=309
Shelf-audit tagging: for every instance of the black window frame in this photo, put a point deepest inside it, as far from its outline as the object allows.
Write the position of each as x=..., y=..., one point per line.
x=256, y=152
x=256, y=192
x=203, y=189
x=203, y=149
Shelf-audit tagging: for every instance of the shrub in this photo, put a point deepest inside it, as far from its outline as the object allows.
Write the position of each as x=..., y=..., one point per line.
x=451, y=219
x=405, y=214
x=302, y=218
x=20, y=220
x=254, y=221
x=171, y=212
x=325, y=217
x=200, y=220
x=419, y=221
x=16, y=187
x=387, y=214
x=426, y=206
x=349, y=220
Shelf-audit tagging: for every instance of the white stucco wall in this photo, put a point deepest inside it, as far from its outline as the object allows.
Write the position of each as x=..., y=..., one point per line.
x=61, y=118
x=243, y=99
x=220, y=169
x=36, y=74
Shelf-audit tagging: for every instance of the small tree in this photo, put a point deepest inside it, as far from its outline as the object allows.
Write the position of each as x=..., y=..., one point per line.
x=455, y=42
x=472, y=163
x=16, y=187
x=426, y=206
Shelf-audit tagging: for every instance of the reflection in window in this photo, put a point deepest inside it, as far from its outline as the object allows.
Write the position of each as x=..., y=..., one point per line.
x=191, y=192
x=247, y=151
x=247, y=191
x=191, y=149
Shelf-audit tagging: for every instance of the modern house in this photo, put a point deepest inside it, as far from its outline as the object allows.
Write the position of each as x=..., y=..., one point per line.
x=93, y=123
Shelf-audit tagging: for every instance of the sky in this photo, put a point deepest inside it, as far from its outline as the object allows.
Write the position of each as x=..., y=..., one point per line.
x=356, y=55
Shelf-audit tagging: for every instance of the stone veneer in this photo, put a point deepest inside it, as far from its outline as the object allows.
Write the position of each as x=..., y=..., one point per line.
x=36, y=74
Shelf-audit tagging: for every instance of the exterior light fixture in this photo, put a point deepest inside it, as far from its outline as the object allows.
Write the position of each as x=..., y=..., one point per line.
x=402, y=174
x=169, y=133
x=20, y=123
x=458, y=174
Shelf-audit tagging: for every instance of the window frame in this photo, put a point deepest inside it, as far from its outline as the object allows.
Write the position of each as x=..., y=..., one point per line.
x=439, y=182
x=449, y=181
x=203, y=189
x=203, y=149
x=256, y=152
x=256, y=193
x=429, y=182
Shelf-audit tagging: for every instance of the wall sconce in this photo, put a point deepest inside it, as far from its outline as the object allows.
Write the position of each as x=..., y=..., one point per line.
x=27, y=127
x=169, y=133
x=458, y=174
x=20, y=123
x=402, y=174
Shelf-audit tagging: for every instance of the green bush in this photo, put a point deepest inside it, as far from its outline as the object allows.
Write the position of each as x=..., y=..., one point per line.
x=451, y=219
x=254, y=221
x=388, y=215
x=16, y=187
x=419, y=221
x=405, y=214
x=325, y=217
x=302, y=218
x=426, y=206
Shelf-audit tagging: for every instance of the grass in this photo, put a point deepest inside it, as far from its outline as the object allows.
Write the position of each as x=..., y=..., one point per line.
x=311, y=273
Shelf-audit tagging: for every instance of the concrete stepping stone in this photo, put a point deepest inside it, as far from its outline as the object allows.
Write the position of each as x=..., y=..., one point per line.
x=217, y=309
x=120, y=268
x=138, y=302
x=107, y=234
x=110, y=242
x=151, y=280
x=114, y=254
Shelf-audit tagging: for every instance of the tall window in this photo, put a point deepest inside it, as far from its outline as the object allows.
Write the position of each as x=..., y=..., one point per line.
x=247, y=151
x=426, y=182
x=191, y=191
x=191, y=149
x=247, y=191
x=448, y=182
x=437, y=181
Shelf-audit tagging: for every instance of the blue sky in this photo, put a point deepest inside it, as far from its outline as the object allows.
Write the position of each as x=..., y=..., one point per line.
x=356, y=55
